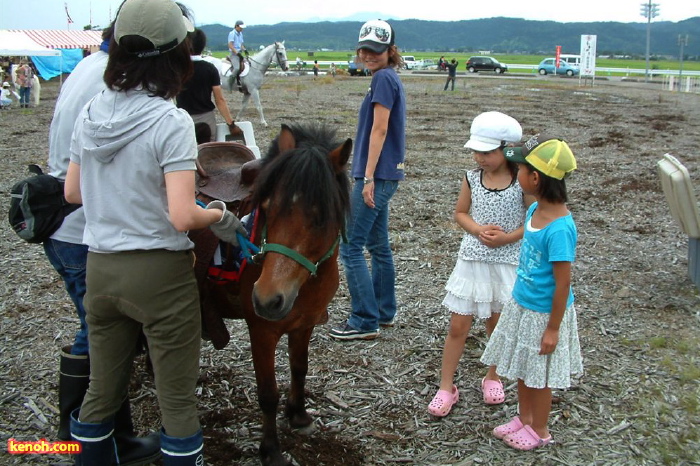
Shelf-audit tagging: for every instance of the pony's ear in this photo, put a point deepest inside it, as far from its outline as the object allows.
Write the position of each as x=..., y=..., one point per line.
x=340, y=155
x=286, y=141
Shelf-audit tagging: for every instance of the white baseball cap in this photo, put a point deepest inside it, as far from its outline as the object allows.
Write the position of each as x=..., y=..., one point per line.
x=376, y=35
x=491, y=130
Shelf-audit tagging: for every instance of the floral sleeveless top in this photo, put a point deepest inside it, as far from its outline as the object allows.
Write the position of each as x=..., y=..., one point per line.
x=503, y=207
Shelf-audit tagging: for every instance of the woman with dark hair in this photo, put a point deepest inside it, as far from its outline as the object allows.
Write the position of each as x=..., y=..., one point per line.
x=196, y=95
x=133, y=169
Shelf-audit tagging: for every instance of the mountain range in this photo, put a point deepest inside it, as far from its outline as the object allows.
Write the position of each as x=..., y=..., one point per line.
x=498, y=35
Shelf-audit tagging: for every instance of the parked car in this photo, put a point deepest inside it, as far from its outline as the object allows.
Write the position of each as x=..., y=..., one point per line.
x=426, y=64
x=357, y=68
x=409, y=62
x=546, y=66
x=475, y=64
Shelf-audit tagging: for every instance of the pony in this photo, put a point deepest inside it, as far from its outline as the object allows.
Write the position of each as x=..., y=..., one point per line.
x=301, y=198
x=252, y=81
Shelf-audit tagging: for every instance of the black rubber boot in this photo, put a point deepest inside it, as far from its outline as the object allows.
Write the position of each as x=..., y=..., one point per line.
x=73, y=380
x=132, y=450
x=97, y=442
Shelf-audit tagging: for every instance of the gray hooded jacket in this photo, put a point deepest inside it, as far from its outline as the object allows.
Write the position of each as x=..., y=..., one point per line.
x=125, y=142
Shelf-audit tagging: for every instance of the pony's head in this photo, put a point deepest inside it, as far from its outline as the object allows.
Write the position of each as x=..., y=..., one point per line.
x=303, y=194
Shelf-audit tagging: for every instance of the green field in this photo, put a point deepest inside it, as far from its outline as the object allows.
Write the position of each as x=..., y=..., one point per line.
x=341, y=59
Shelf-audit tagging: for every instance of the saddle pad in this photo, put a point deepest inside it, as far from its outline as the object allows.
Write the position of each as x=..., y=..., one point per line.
x=680, y=194
x=228, y=262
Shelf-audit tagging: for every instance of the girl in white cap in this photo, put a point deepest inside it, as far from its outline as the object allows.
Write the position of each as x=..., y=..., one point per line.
x=491, y=210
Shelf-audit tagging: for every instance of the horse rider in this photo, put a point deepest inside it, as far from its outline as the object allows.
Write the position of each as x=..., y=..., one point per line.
x=236, y=48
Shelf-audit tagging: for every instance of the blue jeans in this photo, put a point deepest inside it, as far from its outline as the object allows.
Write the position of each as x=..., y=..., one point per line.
x=373, y=297
x=24, y=93
x=70, y=261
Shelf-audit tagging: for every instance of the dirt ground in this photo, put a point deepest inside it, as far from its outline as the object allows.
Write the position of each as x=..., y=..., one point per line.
x=638, y=401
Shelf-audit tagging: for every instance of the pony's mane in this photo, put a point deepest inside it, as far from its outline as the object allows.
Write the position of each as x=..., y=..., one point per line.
x=304, y=177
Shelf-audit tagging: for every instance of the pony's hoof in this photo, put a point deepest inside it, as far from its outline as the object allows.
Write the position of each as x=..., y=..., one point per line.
x=307, y=430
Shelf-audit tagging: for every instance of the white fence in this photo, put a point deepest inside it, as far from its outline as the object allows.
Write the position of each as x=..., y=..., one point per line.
x=683, y=84
x=619, y=71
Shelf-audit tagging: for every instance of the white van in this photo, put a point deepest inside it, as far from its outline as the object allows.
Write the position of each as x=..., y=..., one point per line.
x=409, y=62
x=573, y=60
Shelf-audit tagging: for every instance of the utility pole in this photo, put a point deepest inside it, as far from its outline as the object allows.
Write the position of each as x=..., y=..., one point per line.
x=649, y=10
x=682, y=41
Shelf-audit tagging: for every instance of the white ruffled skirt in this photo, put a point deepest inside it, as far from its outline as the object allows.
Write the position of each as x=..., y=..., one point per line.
x=479, y=288
x=514, y=348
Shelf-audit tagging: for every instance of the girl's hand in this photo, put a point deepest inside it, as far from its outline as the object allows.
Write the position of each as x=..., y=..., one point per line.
x=368, y=195
x=550, y=338
x=493, y=238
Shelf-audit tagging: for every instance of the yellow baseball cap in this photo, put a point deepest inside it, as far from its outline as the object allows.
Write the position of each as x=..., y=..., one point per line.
x=550, y=155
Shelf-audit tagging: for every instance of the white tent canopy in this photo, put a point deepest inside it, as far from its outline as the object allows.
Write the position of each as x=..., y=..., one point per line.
x=19, y=44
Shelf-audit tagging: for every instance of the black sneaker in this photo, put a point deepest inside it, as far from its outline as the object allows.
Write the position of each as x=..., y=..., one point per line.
x=345, y=332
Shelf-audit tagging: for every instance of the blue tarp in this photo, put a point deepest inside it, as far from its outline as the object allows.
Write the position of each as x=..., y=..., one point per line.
x=49, y=67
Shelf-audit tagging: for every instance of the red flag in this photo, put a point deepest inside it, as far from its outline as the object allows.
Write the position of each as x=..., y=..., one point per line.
x=70, y=20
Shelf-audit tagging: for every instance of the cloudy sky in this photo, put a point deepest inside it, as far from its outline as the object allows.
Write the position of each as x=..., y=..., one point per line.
x=51, y=14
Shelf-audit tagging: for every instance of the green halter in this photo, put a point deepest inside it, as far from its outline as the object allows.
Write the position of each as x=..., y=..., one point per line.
x=266, y=247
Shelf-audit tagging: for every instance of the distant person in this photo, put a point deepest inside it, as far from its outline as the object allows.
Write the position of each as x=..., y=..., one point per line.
x=536, y=340
x=195, y=97
x=332, y=69
x=25, y=81
x=315, y=69
x=490, y=210
x=451, y=73
x=236, y=48
x=377, y=167
x=442, y=63
x=5, y=95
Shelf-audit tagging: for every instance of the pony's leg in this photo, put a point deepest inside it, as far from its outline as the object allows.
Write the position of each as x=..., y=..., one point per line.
x=256, y=100
x=299, y=365
x=244, y=105
x=263, y=346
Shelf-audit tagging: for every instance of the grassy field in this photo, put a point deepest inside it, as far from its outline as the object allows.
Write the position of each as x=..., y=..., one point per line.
x=341, y=59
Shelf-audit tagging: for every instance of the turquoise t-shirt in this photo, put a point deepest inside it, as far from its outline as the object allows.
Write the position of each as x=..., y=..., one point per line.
x=534, y=284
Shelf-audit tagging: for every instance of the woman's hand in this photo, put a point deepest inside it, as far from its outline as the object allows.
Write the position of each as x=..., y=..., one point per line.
x=368, y=195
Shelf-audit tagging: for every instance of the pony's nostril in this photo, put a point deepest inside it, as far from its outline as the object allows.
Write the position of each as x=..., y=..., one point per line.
x=276, y=303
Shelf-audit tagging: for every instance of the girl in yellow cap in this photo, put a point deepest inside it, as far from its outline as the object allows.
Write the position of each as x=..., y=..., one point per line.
x=536, y=339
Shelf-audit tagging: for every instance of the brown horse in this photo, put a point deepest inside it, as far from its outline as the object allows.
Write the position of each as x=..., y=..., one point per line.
x=301, y=196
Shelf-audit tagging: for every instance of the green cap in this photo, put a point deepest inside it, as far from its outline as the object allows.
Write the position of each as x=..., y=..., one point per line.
x=550, y=155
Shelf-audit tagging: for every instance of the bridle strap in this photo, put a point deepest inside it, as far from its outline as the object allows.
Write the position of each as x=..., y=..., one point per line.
x=266, y=247
x=253, y=60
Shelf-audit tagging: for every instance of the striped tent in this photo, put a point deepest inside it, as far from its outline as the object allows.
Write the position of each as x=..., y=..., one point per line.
x=64, y=39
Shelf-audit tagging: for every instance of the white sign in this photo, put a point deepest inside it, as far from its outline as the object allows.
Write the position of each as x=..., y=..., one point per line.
x=588, y=53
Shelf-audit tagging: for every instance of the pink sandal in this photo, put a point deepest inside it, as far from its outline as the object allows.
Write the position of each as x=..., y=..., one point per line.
x=443, y=401
x=526, y=439
x=492, y=391
x=506, y=429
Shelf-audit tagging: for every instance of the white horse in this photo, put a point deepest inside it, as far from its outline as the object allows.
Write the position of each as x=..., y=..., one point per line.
x=252, y=77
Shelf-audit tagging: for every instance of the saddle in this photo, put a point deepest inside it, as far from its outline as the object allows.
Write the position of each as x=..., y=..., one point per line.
x=226, y=171
x=243, y=70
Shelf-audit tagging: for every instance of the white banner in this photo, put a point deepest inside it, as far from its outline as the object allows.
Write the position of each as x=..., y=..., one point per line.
x=588, y=53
